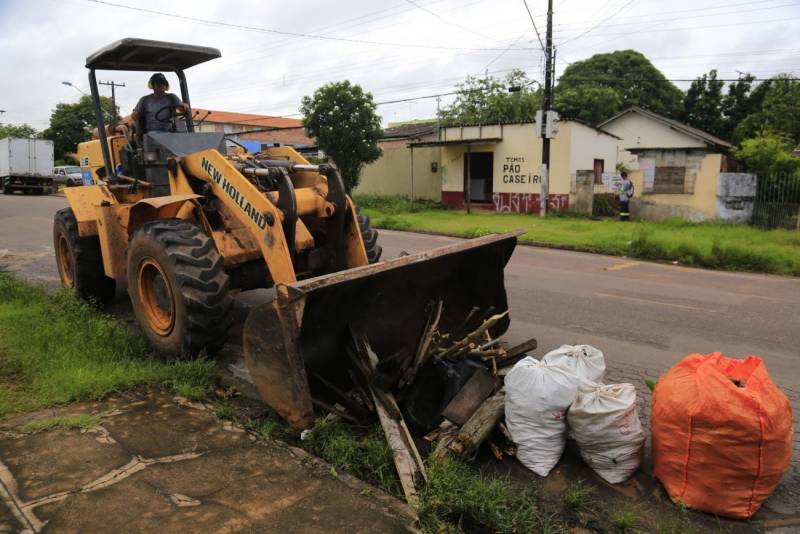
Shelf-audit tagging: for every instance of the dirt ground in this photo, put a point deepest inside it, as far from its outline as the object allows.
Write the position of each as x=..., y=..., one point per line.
x=156, y=463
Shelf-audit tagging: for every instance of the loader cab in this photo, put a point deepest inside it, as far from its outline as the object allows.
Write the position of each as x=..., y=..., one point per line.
x=144, y=155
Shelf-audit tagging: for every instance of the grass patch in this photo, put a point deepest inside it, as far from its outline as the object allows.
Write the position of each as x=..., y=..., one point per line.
x=83, y=420
x=578, y=497
x=711, y=245
x=624, y=520
x=56, y=349
x=365, y=455
x=393, y=204
x=458, y=498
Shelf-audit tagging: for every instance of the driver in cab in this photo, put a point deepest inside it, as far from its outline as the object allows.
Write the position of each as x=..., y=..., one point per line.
x=158, y=108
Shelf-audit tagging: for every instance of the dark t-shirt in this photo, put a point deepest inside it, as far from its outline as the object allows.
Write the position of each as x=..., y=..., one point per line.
x=147, y=107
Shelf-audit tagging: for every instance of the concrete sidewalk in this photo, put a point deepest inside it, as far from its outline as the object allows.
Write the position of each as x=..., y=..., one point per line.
x=159, y=464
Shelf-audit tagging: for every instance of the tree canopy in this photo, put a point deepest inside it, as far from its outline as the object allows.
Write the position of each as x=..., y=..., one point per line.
x=13, y=130
x=626, y=73
x=487, y=100
x=767, y=154
x=342, y=117
x=71, y=124
x=703, y=105
x=775, y=109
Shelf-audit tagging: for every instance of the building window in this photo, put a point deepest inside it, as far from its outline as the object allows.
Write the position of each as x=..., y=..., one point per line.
x=599, y=167
x=669, y=180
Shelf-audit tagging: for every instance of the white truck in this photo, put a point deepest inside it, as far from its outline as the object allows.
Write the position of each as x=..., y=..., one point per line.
x=26, y=165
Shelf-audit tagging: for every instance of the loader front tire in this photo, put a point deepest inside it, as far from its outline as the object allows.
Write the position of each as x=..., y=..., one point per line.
x=178, y=287
x=79, y=260
x=370, y=237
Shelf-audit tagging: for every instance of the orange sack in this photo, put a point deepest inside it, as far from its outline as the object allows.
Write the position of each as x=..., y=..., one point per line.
x=722, y=434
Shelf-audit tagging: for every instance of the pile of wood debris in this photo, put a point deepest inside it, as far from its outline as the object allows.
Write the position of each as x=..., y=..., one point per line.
x=463, y=417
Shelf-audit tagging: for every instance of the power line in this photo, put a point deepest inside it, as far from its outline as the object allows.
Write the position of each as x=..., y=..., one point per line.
x=534, y=24
x=751, y=22
x=448, y=22
x=649, y=16
x=650, y=22
x=286, y=33
x=615, y=13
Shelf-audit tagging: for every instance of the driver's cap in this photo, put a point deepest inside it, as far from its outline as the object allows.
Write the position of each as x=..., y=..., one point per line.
x=157, y=78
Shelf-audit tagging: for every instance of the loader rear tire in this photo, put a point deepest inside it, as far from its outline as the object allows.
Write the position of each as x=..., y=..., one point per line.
x=178, y=287
x=370, y=237
x=79, y=260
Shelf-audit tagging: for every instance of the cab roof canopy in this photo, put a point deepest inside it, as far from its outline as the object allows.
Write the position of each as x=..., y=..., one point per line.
x=146, y=55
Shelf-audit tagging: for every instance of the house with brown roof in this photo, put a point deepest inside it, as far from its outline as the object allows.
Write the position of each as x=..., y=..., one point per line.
x=495, y=167
x=229, y=122
x=677, y=170
x=257, y=131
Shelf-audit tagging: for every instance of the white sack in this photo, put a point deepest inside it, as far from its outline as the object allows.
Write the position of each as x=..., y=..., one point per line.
x=605, y=423
x=585, y=361
x=537, y=398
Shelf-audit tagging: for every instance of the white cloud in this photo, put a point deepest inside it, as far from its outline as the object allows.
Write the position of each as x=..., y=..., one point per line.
x=45, y=42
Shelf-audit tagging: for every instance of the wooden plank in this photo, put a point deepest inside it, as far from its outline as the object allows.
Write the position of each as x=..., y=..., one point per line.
x=404, y=452
x=407, y=460
x=469, y=398
x=515, y=354
x=522, y=348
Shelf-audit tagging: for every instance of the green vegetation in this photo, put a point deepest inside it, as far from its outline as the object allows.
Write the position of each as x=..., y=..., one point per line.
x=56, y=349
x=711, y=245
x=342, y=118
x=458, y=495
x=624, y=519
x=83, y=420
x=578, y=497
x=392, y=204
x=490, y=100
x=363, y=453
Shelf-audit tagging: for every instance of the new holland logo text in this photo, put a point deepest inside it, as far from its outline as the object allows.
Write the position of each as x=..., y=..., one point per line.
x=234, y=194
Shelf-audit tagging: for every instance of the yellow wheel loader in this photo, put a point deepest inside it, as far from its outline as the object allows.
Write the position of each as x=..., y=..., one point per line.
x=187, y=223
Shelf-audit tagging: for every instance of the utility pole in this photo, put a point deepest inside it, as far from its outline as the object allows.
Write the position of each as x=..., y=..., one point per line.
x=547, y=104
x=113, y=85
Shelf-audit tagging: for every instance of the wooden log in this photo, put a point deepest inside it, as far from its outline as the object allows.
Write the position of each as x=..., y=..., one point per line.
x=462, y=330
x=444, y=436
x=475, y=431
x=469, y=398
x=496, y=451
x=333, y=409
x=515, y=354
x=352, y=406
x=473, y=336
x=423, y=349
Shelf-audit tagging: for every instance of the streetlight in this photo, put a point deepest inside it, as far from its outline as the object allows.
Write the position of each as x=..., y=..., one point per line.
x=518, y=88
x=70, y=84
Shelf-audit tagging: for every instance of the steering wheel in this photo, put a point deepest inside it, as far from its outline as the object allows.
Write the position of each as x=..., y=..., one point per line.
x=168, y=113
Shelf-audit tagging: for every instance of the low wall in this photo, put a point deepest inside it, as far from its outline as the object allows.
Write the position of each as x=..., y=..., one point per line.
x=736, y=195
x=509, y=202
x=391, y=173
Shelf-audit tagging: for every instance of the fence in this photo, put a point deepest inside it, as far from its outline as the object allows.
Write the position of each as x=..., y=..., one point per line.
x=777, y=203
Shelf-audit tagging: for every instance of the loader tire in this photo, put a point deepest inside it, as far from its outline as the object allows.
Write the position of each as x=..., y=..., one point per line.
x=178, y=287
x=370, y=237
x=79, y=260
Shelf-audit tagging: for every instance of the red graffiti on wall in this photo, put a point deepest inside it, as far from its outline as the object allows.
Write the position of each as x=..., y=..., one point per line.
x=527, y=202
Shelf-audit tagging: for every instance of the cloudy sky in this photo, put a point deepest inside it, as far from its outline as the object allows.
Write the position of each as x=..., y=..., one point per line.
x=397, y=49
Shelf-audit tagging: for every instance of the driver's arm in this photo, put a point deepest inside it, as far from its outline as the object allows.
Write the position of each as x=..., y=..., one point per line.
x=138, y=110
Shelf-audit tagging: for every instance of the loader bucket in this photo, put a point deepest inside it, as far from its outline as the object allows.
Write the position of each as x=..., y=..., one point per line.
x=305, y=330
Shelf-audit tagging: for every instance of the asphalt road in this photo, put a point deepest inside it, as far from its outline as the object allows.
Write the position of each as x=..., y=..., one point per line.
x=644, y=316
